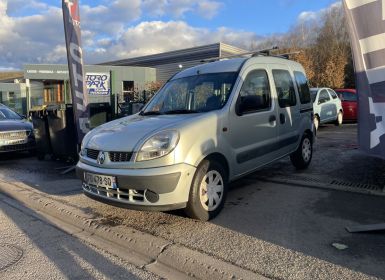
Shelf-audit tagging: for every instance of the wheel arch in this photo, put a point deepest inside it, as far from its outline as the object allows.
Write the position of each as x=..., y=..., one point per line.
x=221, y=159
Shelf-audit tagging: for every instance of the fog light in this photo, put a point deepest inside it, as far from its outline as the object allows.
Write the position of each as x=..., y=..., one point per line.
x=151, y=196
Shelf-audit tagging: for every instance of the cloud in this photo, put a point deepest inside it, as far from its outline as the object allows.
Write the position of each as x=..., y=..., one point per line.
x=110, y=30
x=179, y=8
x=158, y=36
x=314, y=15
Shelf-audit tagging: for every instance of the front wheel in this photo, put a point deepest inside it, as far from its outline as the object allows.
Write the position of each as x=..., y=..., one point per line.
x=208, y=191
x=301, y=158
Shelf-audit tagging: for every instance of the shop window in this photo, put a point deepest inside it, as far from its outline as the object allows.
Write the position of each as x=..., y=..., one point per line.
x=128, y=90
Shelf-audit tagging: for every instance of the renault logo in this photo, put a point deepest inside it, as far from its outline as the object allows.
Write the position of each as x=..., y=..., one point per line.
x=101, y=158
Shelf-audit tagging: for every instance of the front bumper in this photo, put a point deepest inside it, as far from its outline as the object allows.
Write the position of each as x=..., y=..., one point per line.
x=162, y=188
x=18, y=145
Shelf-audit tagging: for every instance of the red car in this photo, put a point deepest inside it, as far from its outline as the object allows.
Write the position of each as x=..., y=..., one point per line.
x=349, y=103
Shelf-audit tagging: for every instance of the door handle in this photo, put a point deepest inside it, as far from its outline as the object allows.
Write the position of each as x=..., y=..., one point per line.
x=272, y=119
x=282, y=118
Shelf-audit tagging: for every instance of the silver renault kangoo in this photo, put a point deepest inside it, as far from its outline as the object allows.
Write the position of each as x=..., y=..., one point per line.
x=207, y=126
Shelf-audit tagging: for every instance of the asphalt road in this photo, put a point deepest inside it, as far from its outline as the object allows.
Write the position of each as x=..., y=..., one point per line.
x=280, y=231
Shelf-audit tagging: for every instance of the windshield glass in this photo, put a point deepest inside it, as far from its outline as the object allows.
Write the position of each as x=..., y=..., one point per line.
x=194, y=94
x=313, y=94
x=7, y=114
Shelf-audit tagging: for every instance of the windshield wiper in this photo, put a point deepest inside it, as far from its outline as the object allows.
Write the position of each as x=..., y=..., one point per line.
x=151, y=113
x=181, y=111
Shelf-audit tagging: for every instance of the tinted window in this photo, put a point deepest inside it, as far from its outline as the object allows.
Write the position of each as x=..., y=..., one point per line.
x=332, y=93
x=255, y=92
x=347, y=96
x=303, y=87
x=285, y=88
x=323, y=96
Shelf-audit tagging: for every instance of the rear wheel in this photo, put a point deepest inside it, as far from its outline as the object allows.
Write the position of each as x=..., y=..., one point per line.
x=301, y=158
x=339, y=119
x=208, y=191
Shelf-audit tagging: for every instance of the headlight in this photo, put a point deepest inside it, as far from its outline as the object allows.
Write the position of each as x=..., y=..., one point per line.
x=83, y=151
x=159, y=145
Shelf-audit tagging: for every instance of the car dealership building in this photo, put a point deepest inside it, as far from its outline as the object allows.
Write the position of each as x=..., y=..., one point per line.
x=113, y=83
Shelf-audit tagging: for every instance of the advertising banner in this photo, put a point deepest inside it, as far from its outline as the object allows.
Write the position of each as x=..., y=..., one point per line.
x=71, y=20
x=366, y=19
x=98, y=83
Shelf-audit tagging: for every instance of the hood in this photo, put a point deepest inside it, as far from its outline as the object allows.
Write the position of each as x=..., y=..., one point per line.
x=9, y=125
x=124, y=134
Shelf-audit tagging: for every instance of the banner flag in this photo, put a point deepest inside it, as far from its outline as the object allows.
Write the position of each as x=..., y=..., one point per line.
x=366, y=20
x=71, y=20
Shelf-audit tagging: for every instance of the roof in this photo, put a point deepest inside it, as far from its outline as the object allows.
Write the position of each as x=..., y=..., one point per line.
x=176, y=56
x=234, y=65
x=10, y=76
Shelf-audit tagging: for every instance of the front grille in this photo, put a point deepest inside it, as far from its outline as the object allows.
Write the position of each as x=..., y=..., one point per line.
x=13, y=135
x=120, y=156
x=118, y=193
x=93, y=154
x=16, y=148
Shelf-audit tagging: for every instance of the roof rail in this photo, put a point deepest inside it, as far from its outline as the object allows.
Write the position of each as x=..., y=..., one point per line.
x=265, y=52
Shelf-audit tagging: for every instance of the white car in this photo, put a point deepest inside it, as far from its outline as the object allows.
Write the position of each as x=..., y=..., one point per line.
x=327, y=106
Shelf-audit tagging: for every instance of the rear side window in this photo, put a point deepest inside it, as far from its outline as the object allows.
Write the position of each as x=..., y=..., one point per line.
x=285, y=88
x=333, y=93
x=303, y=87
x=323, y=96
x=255, y=93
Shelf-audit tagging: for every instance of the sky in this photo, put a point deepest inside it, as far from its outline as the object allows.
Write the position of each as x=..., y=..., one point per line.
x=32, y=30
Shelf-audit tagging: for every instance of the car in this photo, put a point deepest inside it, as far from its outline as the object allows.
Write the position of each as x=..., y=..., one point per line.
x=349, y=103
x=327, y=106
x=16, y=133
x=207, y=126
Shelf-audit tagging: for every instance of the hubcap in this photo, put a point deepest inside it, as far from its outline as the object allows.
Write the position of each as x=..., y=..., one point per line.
x=211, y=190
x=306, y=149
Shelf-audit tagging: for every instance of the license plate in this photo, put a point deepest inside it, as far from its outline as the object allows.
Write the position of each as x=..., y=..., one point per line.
x=100, y=180
x=13, y=142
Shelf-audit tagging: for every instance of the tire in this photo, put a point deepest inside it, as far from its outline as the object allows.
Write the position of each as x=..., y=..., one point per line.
x=202, y=194
x=301, y=158
x=316, y=122
x=339, y=119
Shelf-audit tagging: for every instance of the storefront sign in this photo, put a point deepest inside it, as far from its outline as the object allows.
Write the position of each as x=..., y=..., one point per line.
x=98, y=83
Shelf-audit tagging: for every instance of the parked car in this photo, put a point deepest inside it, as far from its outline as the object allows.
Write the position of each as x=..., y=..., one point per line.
x=16, y=133
x=207, y=126
x=349, y=103
x=327, y=106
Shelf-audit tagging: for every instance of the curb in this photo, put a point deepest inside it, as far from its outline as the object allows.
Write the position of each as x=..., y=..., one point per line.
x=151, y=253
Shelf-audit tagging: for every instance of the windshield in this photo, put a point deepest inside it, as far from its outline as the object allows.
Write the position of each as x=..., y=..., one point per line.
x=194, y=94
x=8, y=114
x=313, y=94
